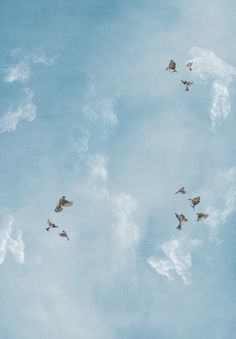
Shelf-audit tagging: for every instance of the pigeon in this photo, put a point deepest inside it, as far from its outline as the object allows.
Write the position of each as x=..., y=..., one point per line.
x=172, y=66
x=50, y=225
x=62, y=203
x=181, y=190
x=187, y=84
x=182, y=219
x=201, y=216
x=64, y=234
x=194, y=202
x=189, y=65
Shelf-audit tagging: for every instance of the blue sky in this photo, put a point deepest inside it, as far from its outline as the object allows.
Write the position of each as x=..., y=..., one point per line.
x=88, y=111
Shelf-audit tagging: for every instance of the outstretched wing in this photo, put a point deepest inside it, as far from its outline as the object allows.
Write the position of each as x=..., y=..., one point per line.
x=184, y=82
x=49, y=223
x=177, y=216
x=67, y=203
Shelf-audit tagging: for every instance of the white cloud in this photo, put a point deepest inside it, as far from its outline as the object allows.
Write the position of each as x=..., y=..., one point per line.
x=15, y=246
x=19, y=72
x=39, y=57
x=208, y=66
x=221, y=105
x=101, y=110
x=179, y=259
x=26, y=110
x=223, y=201
x=97, y=168
x=126, y=231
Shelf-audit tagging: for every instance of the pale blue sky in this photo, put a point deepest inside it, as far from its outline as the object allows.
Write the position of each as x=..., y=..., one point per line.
x=88, y=111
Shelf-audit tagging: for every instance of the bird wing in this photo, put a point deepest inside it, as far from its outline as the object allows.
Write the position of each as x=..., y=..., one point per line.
x=184, y=82
x=67, y=203
x=177, y=216
x=49, y=222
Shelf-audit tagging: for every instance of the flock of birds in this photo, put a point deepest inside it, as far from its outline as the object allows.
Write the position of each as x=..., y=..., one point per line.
x=172, y=68
x=193, y=201
x=63, y=202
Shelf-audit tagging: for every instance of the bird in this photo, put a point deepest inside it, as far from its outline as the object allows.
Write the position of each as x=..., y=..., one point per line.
x=201, y=216
x=172, y=66
x=62, y=203
x=50, y=225
x=194, y=201
x=189, y=65
x=187, y=84
x=64, y=234
x=181, y=190
x=182, y=219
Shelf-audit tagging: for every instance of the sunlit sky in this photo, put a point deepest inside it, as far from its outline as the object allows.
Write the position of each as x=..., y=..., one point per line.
x=88, y=111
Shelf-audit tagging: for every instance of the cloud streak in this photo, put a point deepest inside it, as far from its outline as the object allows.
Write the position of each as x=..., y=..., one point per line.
x=7, y=242
x=178, y=261
x=207, y=66
x=25, y=110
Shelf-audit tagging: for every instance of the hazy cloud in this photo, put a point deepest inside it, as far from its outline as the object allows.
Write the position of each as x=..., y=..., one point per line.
x=178, y=259
x=7, y=242
x=207, y=66
x=25, y=110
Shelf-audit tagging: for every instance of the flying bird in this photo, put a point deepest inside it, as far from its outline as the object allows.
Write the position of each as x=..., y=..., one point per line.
x=50, y=225
x=62, y=203
x=189, y=65
x=182, y=219
x=181, y=190
x=201, y=216
x=172, y=66
x=64, y=234
x=187, y=84
x=194, y=202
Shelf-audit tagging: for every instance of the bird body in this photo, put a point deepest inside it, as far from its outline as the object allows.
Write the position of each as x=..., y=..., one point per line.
x=201, y=216
x=189, y=65
x=194, y=201
x=63, y=202
x=172, y=66
x=50, y=225
x=64, y=234
x=187, y=84
x=181, y=190
x=182, y=219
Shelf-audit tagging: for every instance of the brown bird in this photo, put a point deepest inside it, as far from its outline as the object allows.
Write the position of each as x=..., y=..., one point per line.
x=50, y=225
x=187, y=84
x=189, y=65
x=182, y=219
x=62, y=203
x=172, y=66
x=64, y=234
x=194, y=202
x=201, y=216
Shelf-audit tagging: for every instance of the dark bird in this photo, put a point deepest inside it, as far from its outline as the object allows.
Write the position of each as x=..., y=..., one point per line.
x=64, y=234
x=62, y=203
x=189, y=65
x=50, y=225
x=194, y=202
x=172, y=66
x=187, y=84
x=181, y=190
x=182, y=219
x=201, y=216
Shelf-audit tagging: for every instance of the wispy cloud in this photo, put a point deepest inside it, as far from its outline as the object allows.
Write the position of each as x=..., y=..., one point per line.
x=222, y=196
x=101, y=110
x=19, y=72
x=178, y=261
x=25, y=110
x=208, y=66
x=7, y=242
